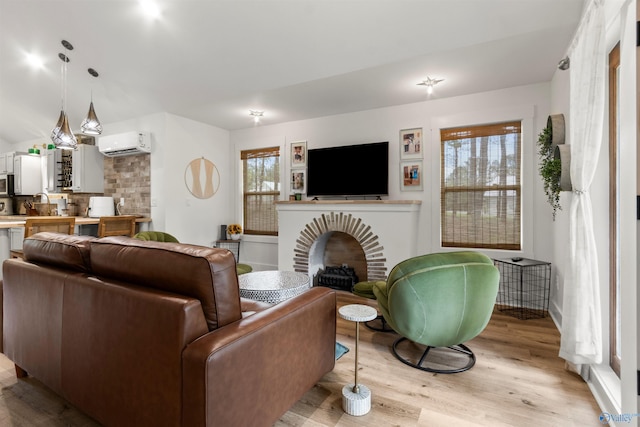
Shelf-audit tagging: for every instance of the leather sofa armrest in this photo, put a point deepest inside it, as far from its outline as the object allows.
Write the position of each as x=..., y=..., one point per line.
x=1, y=317
x=258, y=367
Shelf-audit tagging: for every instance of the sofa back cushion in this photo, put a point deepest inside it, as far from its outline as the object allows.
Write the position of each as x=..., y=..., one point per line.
x=60, y=250
x=207, y=274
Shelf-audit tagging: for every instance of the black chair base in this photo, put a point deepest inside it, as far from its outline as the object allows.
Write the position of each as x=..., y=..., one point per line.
x=469, y=358
x=379, y=324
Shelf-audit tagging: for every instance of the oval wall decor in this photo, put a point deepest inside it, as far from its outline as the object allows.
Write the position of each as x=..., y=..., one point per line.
x=563, y=153
x=202, y=178
x=556, y=123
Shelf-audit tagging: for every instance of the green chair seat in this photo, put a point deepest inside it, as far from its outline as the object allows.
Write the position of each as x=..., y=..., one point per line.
x=243, y=268
x=365, y=289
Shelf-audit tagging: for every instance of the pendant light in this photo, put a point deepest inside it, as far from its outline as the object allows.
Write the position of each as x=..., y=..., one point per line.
x=91, y=125
x=61, y=134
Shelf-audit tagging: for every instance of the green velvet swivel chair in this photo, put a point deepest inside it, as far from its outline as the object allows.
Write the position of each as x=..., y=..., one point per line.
x=437, y=302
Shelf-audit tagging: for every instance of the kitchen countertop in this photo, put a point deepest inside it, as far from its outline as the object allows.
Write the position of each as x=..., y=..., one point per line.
x=11, y=221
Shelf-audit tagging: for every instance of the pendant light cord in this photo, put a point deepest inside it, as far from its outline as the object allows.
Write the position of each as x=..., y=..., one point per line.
x=64, y=81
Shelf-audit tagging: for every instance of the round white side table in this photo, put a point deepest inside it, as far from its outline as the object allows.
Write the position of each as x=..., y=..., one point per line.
x=356, y=398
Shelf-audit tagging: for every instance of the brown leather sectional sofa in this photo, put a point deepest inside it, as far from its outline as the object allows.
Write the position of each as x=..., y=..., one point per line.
x=138, y=333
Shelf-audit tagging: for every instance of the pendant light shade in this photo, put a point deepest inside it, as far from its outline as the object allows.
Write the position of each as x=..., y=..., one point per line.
x=58, y=126
x=65, y=139
x=91, y=125
x=61, y=134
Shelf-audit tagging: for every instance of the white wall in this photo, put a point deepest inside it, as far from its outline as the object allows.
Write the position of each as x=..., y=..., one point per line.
x=558, y=233
x=175, y=142
x=384, y=124
x=5, y=146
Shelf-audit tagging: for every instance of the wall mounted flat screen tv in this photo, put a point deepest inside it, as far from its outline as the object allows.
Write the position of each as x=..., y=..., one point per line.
x=352, y=170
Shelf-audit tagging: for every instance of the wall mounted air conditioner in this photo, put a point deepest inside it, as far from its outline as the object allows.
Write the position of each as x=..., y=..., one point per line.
x=124, y=144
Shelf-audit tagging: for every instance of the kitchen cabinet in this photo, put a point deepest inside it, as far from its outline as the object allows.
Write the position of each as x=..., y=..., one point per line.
x=3, y=163
x=27, y=170
x=58, y=170
x=16, y=237
x=87, y=169
x=80, y=170
x=6, y=161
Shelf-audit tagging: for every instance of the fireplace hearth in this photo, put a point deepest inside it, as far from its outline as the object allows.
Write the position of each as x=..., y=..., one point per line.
x=342, y=278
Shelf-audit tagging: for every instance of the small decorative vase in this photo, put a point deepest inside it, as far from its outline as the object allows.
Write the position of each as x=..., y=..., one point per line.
x=235, y=237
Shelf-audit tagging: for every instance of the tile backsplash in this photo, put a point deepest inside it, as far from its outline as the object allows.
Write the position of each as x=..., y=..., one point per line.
x=128, y=177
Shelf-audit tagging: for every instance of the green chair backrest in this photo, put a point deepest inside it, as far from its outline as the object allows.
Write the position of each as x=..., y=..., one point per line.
x=156, y=236
x=442, y=299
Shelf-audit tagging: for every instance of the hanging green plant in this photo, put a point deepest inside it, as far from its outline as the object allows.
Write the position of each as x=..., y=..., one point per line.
x=550, y=168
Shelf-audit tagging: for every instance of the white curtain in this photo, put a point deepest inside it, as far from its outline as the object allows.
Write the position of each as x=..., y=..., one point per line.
x=581, y=340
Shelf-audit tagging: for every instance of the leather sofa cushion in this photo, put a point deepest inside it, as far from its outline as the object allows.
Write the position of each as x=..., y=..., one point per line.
x=207, y=274
x=60, y=250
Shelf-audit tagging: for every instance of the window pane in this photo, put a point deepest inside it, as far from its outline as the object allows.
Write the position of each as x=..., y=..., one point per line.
x=261, y=189
x=480, y=199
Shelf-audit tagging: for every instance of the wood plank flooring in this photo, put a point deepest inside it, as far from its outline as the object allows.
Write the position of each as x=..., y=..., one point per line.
x=518, y=380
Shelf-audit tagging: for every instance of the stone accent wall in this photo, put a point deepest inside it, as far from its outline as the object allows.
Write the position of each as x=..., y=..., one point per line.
x=129, y=177
x=126, y=176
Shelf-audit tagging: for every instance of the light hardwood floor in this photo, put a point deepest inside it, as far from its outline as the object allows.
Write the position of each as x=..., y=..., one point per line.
x=518, y=380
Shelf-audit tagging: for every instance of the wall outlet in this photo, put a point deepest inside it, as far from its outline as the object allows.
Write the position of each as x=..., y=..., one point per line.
x=121, y=201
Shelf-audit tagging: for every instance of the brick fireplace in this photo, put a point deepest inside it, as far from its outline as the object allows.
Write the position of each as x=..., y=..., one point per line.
x=369, y=236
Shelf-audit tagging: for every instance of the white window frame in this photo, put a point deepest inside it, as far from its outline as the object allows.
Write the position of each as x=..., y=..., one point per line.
x=523, y=113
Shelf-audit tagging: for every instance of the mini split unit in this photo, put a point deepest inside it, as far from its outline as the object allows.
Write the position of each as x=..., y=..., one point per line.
x=125, y=144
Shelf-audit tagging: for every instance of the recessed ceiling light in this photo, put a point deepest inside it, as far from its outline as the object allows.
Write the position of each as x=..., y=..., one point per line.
x=34, y=61
x=150, y=8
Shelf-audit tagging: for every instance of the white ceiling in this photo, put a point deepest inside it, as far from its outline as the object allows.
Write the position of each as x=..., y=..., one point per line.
x=212, y=61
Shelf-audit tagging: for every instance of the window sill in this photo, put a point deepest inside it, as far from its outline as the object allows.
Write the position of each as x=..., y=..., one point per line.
x=251, y=238
x=606, y=388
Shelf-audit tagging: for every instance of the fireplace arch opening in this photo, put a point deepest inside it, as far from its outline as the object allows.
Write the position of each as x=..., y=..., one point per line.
x=336, y=249
x=346, y=237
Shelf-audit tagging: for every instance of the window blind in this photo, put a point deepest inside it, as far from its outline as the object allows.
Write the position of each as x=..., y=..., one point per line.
x=480, y=198
x=261, y=189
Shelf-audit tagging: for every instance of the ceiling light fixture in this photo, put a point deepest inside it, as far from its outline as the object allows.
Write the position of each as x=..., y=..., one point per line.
x=430, y=83
x=256, y=115
x=61, y=134
x=91, y=125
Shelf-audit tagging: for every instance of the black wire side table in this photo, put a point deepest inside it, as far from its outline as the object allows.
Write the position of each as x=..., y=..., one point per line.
x=525, y=286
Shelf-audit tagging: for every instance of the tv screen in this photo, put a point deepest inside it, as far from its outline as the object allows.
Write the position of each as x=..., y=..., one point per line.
x=352, y=170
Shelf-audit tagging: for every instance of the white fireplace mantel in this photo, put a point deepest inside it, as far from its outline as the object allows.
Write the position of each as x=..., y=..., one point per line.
x=389, y=229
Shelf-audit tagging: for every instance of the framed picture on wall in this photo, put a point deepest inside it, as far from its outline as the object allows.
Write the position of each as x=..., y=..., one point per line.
x=298, y=154
x=298, y=181
x=411, y=144
x=411, y=175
